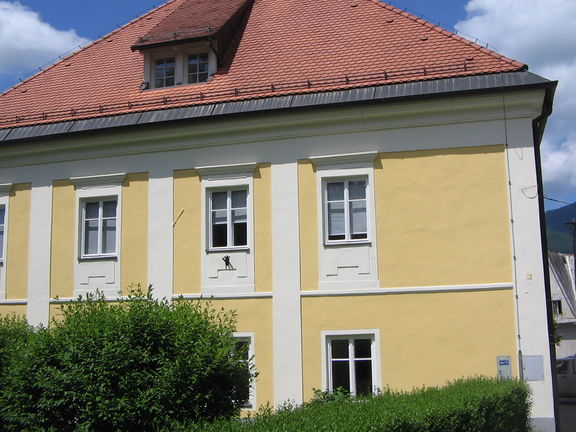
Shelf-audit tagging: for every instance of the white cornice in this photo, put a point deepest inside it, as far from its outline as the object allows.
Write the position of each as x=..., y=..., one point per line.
x=233, y=169
x=98, y=181
x=5, y=188
x=348, y=158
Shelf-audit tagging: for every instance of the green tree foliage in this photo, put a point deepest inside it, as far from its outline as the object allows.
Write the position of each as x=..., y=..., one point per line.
x=133, y=365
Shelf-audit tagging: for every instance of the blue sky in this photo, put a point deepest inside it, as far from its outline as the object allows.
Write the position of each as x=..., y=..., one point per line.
x=540, y=33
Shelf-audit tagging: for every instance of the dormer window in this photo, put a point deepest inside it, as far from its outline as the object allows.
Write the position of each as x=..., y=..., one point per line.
x=164, y=72
x=197, y=68
x=186, y=64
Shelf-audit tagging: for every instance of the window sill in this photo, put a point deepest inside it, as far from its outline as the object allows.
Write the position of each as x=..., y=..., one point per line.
x=347, y=242
x=98, y=257
x=228, y=249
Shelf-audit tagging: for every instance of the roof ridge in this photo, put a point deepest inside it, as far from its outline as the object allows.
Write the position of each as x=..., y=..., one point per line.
x=448, y=33
x=87, y=46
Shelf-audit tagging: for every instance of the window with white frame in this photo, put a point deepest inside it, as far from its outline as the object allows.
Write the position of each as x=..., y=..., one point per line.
x=2, y=225
x=164, y=72
x=99, y=226
x=244, y=344
x=180, y=65
x=351, y=363
x=228, y=218
x=345, y=210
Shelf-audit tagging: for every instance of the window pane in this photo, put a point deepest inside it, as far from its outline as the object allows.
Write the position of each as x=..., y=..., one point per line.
x=363, y=375
x=240, y=227
x=240, y=234
x=219, y=200
x=109, y=209
x=2, y=215
x=109, y=236
x=362, y=348
x=340, y=375
x=202, y=77
x=335, y=191
x=203, y=67
x=339, y=348
x=169, y=82
x=92, y=210
x=358, y=217
x=357, y=189
x=238, y=199
x=203, y=57
x=1, y=241
x=219, y=217
x=336, y=226
x=219, y=235
x=158, y=83
x=91, y=237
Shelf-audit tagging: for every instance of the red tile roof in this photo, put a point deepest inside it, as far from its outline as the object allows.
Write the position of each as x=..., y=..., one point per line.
x=281, y=47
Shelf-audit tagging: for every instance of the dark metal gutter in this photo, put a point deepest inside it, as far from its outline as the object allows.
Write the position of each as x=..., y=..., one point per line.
x=388, y=93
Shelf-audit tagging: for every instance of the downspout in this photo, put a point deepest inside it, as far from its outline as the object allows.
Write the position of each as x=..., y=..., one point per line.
x=538, y=125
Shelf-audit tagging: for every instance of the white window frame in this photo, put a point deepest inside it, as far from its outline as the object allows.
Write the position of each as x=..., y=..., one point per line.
x=229, y=228
x=92, y=189
x=249, y=337
x=345, y=167
x=328, y=336
x=4, y=200
x=3, y=229
x=101, y=218
x=180, y=54
x=347, y=233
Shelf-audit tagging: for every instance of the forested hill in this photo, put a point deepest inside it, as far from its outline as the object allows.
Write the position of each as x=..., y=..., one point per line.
x=560, y=234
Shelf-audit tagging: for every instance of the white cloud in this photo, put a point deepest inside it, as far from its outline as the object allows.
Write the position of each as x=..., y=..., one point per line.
x=27, y=42
x=541, y=33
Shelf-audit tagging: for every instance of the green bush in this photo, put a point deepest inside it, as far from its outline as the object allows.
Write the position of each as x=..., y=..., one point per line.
x=135, y=365
x=472, y=405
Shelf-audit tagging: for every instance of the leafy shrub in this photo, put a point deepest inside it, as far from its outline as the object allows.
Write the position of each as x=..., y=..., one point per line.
x=472, y=405
x=135, y=365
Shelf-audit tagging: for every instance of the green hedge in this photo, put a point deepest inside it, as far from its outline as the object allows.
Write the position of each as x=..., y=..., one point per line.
x=135, y=365
x=471, y=405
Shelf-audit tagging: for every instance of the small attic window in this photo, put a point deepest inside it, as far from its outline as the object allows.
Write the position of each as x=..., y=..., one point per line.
x=179, y=65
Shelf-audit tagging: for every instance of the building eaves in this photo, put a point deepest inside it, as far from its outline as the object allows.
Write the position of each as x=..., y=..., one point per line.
x=384, y=93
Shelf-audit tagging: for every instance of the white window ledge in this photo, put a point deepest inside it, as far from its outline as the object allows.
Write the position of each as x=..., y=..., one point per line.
x=348, y=158
x=98, y=180
x=5, y=188
x=245, y=168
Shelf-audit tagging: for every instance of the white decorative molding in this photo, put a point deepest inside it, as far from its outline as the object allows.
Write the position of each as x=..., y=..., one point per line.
x=98, y=180
x=5, y=189
x=234, y=169
x=10, y=302
x=224, y=296
x=408, y=290
x=348, y=158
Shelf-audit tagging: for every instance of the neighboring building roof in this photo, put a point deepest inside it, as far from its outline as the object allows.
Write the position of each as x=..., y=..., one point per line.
x=281, y=47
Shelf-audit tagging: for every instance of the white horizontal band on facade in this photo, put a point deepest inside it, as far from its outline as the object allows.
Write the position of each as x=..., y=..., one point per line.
x=64, y=300
x=408, y=290
x=13, y=302
x=223, y=296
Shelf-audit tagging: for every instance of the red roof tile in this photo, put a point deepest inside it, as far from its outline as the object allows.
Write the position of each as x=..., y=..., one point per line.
x=282, y=47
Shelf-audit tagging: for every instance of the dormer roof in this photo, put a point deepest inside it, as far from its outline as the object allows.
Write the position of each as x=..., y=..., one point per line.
x=193, y=20
x=278, y=48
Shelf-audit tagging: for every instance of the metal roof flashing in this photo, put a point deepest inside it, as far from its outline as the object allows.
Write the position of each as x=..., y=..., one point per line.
x=410, y=90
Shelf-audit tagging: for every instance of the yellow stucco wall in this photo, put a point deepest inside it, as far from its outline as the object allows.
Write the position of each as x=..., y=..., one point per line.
x=8, y=309
x=187, y=231
x=18, y=240
x=442, y=217
x=263, y=227
x=425, y=339
x=134, y=242
x=255, y=316
x=308, y=217
x=63, y=232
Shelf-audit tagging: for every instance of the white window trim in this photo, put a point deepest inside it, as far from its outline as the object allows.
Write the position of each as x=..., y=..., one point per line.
x=229, y=228
x=373, y=334
x=100, y=200
x=327, y=175
x=221, y=178
x=180, y=54
x=4, y=201
x=92, y=188
x=250, y=337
